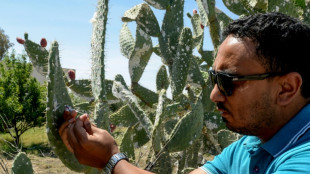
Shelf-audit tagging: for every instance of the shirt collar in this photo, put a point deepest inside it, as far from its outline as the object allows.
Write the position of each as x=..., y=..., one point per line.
x=289, y=134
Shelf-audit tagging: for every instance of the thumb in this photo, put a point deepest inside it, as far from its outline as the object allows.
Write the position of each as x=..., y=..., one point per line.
x=88, y=126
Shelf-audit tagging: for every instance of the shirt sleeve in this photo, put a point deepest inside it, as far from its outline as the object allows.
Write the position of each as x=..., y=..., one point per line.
x=218, y=165
x=222, y=162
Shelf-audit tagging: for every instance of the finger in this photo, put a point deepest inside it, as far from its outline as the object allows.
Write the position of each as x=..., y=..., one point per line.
x=64, y=138
x=73, y=142
x=79, y=130
x=64, y=126
x=86, y=123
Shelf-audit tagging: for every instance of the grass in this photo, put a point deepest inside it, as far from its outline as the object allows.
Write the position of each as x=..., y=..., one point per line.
x=35, y=144
x=35, y=135
x=33, y=141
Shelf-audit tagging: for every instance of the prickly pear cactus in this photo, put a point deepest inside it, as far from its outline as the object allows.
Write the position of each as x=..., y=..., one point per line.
x=58, y=98
x=22, y=164
x=37, y=54
x=184, y=121
x=178, y=130
x=298, y=8
x=97, y=72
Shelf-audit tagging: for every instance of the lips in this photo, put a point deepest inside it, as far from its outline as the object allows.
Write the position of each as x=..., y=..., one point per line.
x=220, y=107
x=223, y=111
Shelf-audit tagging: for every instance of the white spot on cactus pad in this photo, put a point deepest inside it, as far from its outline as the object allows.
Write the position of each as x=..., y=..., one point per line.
x=135, y=60
x=163, y=34
x=142, y=33
x=211, y=125
x=205, y=6
x=277, y=8
x=139, y=128
x=154, y=4
x=55, y=105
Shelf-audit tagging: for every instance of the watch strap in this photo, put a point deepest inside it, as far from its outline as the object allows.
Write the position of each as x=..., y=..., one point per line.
x=113, y=161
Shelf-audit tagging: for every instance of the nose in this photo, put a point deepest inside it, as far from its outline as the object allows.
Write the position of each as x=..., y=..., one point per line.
x=216, y=95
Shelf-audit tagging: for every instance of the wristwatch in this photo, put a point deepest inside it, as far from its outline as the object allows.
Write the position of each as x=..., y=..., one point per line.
x=113, y=161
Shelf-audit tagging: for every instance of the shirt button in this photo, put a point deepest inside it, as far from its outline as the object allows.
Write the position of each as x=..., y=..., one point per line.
x=256, y=169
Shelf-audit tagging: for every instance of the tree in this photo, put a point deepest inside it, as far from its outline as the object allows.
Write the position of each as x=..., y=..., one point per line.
x=4, y=43
x=22, y=98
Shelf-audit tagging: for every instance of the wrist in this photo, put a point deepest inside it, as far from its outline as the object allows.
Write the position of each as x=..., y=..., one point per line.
x=113, y=162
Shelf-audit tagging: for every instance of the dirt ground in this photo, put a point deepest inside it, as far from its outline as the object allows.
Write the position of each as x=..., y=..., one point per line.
x=44, y=165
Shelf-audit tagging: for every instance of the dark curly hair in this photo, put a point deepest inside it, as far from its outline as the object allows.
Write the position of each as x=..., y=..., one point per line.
x=282, y=43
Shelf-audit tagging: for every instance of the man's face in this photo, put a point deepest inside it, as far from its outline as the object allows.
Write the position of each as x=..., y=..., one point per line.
x=250, y=109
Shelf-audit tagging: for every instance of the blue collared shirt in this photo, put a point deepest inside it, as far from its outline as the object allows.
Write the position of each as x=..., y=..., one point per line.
x=288, y=151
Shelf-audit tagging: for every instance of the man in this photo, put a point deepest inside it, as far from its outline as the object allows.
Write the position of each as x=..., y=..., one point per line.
x=260, y=80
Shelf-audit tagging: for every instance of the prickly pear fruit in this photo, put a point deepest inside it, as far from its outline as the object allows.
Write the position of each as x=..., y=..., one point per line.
x=194, y=11
x=202, y=26
x=20, y=40
x=71, y=74
x=112, y=127
x=43, y=42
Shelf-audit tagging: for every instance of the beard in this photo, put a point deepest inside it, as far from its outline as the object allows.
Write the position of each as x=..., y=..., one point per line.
x=258, y=115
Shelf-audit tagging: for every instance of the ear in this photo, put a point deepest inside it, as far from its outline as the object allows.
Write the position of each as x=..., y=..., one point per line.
x=289, y=88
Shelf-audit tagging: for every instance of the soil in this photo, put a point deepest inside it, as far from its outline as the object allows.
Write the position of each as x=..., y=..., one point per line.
x=44, y=165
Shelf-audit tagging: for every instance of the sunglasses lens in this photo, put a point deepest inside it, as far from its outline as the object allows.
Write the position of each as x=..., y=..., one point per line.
x=225, y=84
x=212, y=77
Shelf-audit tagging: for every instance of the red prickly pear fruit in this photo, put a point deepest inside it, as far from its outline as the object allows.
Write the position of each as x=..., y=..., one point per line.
x=202, y=26
x=194, y=11
x=71, y=74
x=112, y=127
x=20, y=40
x=43, y=42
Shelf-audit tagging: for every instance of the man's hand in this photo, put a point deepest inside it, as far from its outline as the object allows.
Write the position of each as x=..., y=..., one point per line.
x=91, y=146
x=69, y=116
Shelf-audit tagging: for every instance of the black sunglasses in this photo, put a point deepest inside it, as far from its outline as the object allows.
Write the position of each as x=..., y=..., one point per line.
x=225, y=81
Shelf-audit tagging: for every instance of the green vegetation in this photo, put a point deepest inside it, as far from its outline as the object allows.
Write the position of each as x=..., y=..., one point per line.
x=22, y=98
x=175, y=131
x=33, y=141
x=22, y=164
x=4, y=43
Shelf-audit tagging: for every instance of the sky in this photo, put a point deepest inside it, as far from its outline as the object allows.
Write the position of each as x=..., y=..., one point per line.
x=68, y=22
